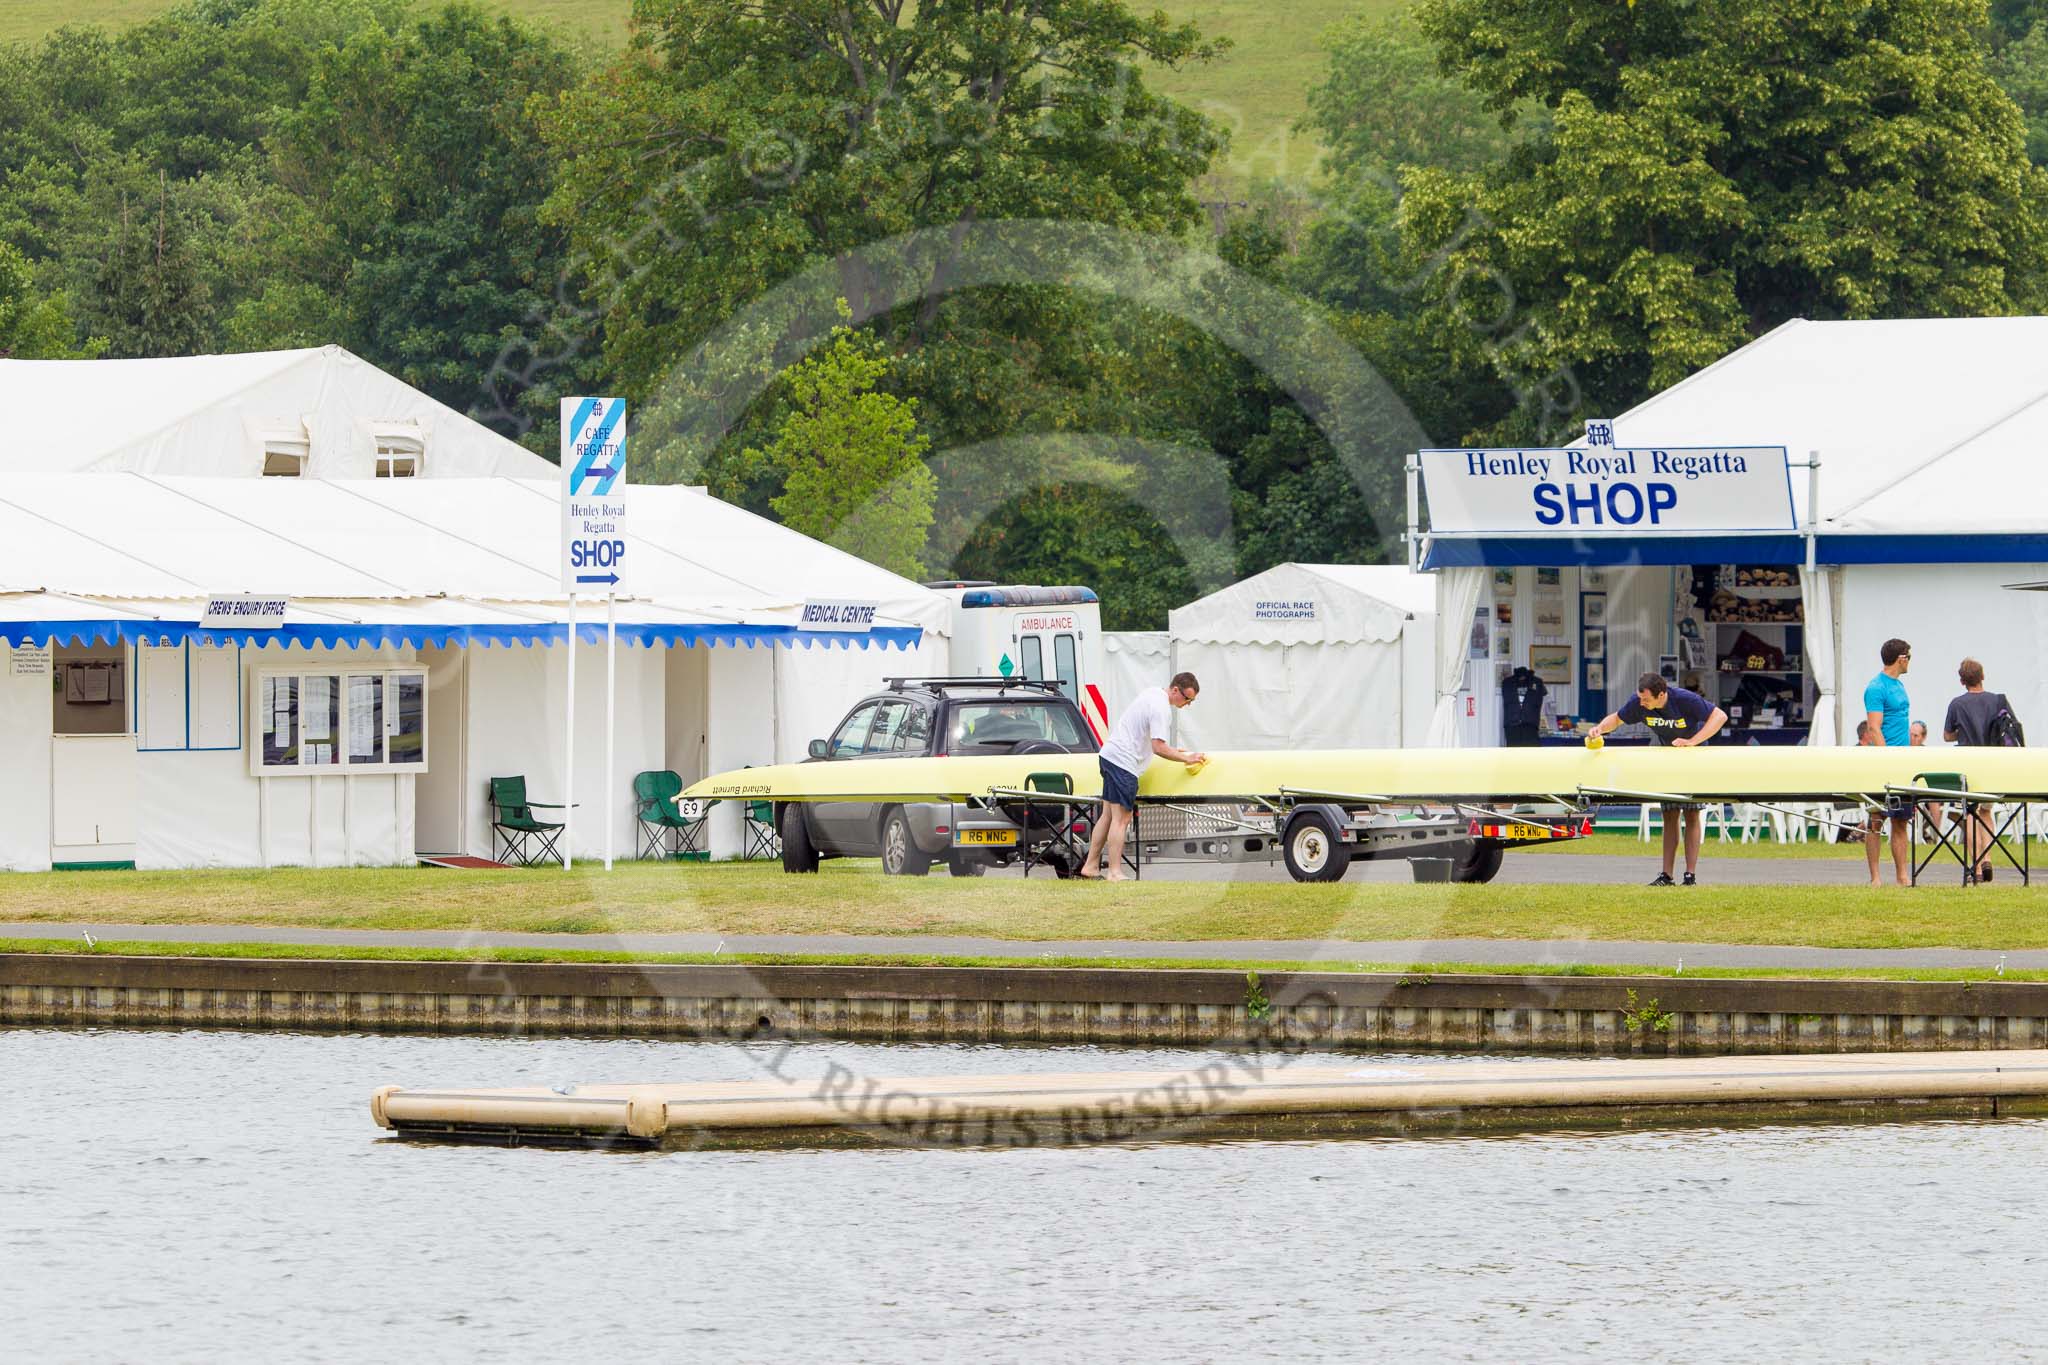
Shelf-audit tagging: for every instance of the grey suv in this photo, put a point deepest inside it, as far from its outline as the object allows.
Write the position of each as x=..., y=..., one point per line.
x=926, y=718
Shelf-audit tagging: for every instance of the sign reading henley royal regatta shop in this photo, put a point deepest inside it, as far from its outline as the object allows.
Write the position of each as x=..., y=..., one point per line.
x=1611, y=490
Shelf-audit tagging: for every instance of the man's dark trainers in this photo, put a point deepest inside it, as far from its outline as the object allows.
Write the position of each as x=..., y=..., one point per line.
x=1663, y=879
x=1691, y=880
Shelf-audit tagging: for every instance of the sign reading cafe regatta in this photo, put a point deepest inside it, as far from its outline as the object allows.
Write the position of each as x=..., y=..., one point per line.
x=1608, y=490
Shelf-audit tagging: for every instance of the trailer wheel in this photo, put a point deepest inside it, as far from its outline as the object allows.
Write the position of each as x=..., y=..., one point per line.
x=1312, y=849
x=1480, y=862
x=901, y=857
x=799, y=854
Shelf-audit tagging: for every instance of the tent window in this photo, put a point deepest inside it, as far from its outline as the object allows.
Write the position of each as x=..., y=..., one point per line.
x=285, y=459
x=1033, y=651
x=188, y=696
x=363, y=722
x=1064, y=666
x=398, y=458
x=89, y=695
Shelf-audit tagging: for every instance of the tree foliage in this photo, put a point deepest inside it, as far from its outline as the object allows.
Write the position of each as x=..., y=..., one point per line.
x=1715, y=168
x=850, y=459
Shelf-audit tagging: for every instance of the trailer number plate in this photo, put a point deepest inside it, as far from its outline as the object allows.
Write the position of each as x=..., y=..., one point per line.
x=1527, y=832
x=987, y=836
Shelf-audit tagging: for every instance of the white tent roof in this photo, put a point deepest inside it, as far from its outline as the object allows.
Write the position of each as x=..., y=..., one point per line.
x=211, y=415
x=1923, y=426
x=1323, y=603
x=406, y=551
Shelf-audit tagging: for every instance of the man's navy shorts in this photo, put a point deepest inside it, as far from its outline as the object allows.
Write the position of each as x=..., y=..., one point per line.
x=1119, y=788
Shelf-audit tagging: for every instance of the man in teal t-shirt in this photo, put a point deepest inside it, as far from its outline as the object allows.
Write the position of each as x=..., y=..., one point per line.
x=1889, y=714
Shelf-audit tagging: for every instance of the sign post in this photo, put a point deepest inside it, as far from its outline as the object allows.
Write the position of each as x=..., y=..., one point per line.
x=593, y=555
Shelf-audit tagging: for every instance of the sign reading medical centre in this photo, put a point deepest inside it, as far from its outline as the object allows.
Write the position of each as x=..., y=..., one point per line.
x=593, y=494
x=242, y=611
x=1608, y=490
x=820, y=614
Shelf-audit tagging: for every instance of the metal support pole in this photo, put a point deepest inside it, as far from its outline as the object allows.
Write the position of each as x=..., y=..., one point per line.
x=1414, y=469
x=569, y=744
x=611, y=692
x=1812, y=508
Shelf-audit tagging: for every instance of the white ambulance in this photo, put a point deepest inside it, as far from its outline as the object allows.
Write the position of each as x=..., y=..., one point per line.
x=1052, y=634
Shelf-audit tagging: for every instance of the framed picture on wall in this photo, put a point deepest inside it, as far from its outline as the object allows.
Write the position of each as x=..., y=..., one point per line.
x=1596, y=676
x=1503, y=643
x=1504, y=612
x=1479, y=646
x=1592, y=580
x=1549, y=616
x=1552, y=663
x=1594, y=644
x=1593, y=609
x=1667, y=668
x=1504, y=580
x=1549, y=578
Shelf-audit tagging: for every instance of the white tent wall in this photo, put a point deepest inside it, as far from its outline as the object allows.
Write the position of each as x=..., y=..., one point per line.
x=1298, y=696
x=1134, y=660
x=516, y=705
x=1947, y=612
x=201, y=807
x=741, y=710
x=25, y=763
x=686, y=724
x=816, y=687
x=1418, y=679
x=212, y=415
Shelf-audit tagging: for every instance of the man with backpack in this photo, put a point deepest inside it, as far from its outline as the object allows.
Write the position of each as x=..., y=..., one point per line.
x=1980, y=719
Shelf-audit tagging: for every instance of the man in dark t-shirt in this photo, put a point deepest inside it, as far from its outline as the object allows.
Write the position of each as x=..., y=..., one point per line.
x=1680, y=719
x=1969, y=723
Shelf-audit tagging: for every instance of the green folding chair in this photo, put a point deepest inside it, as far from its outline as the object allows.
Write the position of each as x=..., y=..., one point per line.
x=763, y=839
x=664, y=831
x=514, y=825
x=1061, y=849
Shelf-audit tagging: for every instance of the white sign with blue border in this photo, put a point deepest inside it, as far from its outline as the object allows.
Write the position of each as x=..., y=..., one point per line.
x=593, y=494
x=1608, y=490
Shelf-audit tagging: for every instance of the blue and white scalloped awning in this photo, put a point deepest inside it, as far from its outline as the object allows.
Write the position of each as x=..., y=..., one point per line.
x=38, y=618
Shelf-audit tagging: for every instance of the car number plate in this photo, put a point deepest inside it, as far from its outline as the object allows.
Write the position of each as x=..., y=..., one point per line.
x=988, y=836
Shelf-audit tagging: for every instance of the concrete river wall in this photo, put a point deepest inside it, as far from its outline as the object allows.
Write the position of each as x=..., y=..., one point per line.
x=1571, y=1014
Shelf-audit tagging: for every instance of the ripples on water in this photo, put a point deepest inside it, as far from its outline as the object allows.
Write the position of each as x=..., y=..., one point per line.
x=224, y=1196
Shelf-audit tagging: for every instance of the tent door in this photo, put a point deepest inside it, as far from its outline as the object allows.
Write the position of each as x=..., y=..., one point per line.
x=440, y=794
x=92, y=798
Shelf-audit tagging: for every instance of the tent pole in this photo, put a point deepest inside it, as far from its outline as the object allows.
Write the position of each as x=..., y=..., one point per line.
x=611, y=688
x=569, y=743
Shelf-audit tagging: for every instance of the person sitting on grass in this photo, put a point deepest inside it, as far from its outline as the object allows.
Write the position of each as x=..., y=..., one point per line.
x=1680, y=719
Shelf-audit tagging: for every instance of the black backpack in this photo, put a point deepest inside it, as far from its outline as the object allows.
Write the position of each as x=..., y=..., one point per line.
x=2005, y=727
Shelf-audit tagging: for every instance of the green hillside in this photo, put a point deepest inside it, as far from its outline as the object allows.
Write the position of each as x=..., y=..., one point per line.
x=1257, y=91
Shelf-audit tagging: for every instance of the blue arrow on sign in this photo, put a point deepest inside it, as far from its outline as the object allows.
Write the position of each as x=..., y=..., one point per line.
x=597, y=578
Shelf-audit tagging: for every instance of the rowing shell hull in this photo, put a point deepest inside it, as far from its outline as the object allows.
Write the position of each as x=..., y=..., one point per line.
x=1726, y=773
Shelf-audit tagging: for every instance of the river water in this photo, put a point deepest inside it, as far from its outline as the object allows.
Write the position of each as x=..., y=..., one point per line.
x=223, y=1196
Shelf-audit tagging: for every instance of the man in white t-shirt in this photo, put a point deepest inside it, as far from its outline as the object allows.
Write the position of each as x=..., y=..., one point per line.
x=1139, y=733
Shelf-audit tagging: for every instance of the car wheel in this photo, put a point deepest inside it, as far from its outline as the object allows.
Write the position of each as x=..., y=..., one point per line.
x=964, y=865
x=901, y=857
x=799, y=854
x=1480, y=863
x=1312, y=850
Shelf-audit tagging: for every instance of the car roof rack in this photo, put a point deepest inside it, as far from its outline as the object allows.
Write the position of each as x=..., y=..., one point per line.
x=991, y=684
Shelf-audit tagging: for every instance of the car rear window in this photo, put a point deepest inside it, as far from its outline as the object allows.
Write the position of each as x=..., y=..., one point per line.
x=1000, y=726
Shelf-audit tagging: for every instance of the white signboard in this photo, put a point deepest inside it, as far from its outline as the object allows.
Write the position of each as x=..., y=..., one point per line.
x=1284, y=609
x=820, y=614
x=1609, y=490
x=240, y=611
x=593, y=494
x=31, y=661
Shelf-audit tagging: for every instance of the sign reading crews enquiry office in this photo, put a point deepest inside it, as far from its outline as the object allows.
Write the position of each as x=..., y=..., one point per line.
x=593, y=494
x=1608, y=490
x=821, y=614
x=241, y=611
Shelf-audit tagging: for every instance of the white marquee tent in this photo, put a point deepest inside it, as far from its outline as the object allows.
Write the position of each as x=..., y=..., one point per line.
x=130, y=733
x=1309, y=656
x=320, y=412
x=1932, y=495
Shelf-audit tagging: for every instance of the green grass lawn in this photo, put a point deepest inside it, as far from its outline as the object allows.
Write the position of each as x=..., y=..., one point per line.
x=853, y=898
x=1630, y=846
x=1258, y=90
x=315, y=953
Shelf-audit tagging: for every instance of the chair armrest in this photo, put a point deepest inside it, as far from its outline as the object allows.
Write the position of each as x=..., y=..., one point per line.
x=552, y=805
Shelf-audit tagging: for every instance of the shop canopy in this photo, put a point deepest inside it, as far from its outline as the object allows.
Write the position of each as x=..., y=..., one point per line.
x=219, y=415
x=405, y=561
x=1929, y=432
